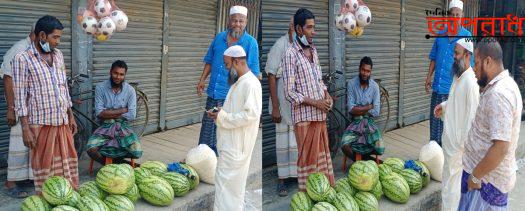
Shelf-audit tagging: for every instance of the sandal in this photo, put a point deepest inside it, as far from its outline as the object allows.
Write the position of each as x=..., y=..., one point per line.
x=282, y=189
x=16, y=192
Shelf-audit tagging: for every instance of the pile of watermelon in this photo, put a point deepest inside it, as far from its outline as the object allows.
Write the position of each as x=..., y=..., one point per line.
x=116, y=187
x=366, y=183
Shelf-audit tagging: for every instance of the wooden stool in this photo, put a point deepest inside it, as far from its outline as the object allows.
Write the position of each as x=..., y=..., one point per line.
x=107, y=161
x=357, y=157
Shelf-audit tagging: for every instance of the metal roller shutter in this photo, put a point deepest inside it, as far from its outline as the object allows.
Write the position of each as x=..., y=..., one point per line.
x=276, y=16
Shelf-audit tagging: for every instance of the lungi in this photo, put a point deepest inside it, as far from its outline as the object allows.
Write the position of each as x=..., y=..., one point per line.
x=286, y=150
x=208, y=134
x=486, y=198
x=436, y=124
x=363, y=136
x=116, y=139
x=18, y=161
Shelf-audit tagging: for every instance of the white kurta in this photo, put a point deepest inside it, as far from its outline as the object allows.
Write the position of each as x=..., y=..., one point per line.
x=458, y=112
x=237, y=128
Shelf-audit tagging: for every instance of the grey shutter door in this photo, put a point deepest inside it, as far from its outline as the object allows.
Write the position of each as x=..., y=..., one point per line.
x=140, y=47
x=276, y=16
x=381, y=42
x=16, y=19
x=192, y=28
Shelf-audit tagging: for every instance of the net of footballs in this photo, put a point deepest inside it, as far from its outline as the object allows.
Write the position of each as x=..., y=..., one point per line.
x=102, y=19
x=353, y=18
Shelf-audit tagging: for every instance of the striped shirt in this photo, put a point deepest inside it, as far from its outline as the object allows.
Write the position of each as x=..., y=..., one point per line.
x=303, y=79
x=41, y=91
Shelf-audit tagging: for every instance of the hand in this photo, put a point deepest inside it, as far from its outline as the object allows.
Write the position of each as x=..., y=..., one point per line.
x=428, y=85
x=213, y=115
x=200, y=88
x=73, y=126
x=438, y=111
x=323, y=105
x=29, y=138
x=276, y=115
x=11, y=117
x=472, y=185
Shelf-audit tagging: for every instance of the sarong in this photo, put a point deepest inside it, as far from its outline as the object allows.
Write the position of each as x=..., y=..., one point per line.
x=436, y=124
x=18, y=162
x=363, y=136
x=486, y=198
x=208, y=134
x=286, y=150
x=116, y=139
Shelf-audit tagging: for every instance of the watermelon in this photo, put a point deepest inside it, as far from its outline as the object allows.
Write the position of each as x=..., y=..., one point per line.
x=342, y=185
x=301, y=202
x=35, y=203
x=156, y=191
x=141, y=173
x=363, y=175
x=377, y=190
x=317, y=186
x=395, y=163
x=344, y=201
x=119, y=203
x=57, y=190
x=366, y=201
x=91, y=189
x=91, y=203
x=425, y=173
x=179, y=183
x=156, y=168
x=395, y=188
x=413, y=179
x=115, y=178
x=324, y=206
x=384, y=169
x=64, y=208
x=193, y=177
x=133, y=193
x=74, y=199
x=330, y=197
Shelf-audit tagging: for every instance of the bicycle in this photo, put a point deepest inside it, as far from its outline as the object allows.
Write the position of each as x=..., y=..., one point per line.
x=138, y=124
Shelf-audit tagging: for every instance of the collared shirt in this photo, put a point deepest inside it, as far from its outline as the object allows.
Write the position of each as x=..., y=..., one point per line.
x=498, y=117
x=443, y=54
x=41, y=91
x=359, y=96
x=273, y=66
x=218, y=86
x=18, y=47
x=303, y=79
x=106, y=98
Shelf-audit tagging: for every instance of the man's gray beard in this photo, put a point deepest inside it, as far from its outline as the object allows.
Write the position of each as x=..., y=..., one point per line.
x=232, y=77
x=235, y=34
x=458, y=67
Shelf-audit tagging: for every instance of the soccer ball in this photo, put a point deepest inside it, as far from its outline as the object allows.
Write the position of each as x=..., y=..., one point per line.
x=120, y=19
x=101, y=37
x=103, y=8
x=363, y=16
x=349, y=22
x=106, y=26
x=351, y=5
x=339, y=22
x=357, y=32
x=89, y=24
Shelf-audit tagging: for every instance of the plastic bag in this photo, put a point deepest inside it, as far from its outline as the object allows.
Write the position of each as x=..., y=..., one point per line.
x=432, y=156
x=203, y=159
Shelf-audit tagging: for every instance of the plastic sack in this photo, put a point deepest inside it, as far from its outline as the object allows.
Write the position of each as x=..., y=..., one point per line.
x=202, y=158
x=432, y=156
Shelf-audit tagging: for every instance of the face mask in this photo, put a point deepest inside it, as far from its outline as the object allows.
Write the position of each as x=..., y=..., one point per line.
x=304, y=41
x=45, y=47
x=294, y=37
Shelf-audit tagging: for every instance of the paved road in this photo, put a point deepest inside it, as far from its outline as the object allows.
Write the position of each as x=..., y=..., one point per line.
x=517, y=195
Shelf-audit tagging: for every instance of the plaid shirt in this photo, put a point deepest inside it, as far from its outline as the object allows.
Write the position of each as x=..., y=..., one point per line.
x=303, y=79
x=41, y=91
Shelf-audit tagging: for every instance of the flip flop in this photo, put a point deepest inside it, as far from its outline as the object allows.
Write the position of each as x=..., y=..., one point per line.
x=282, y=189
x=16, y=192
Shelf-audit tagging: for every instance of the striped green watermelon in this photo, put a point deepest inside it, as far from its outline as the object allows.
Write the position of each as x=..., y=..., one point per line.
x=377, y=190
x=179, y=183
x=156, y=168
x=366, y=201
x=397, y=164
x=343, y=201
x=425, y=173
x=301, y=202
x=141, y=173
x=91, y=189
x=413, y=179
x=119, y=203
x=193, y=177
x=57, y=190
x=115, y=178
x=35, y=203
x=317, y=186
x=74, y=199
x=133, y=193
x=384, y=169
x=395, y=188
x=91, y=203
x=156, y=191
x=363, y=175
x=64, y=208
x=342, y=185
x=330, y=197
x=324, y=206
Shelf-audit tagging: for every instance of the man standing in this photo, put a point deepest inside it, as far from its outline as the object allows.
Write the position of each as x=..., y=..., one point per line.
x=441, y=59
x=280, y=109
x=44, y=105
x=304, y=88
x=457, y=114
x=218, y=86
x=18, y=164
x=362, y=135
x=238, y=125
x=115, y=106
x=489, y=162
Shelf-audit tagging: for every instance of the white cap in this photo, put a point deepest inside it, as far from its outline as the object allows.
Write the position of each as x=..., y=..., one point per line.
x=235, y=51
x=239, y=10
x=455, y=3
x=465, y=44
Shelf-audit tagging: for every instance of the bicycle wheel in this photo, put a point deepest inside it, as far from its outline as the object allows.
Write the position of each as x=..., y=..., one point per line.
x=385, y=104
x=334, y=137
x=142, y=117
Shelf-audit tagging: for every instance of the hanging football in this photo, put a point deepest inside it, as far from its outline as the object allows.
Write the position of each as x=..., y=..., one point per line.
x=349, y=22
x=120, y=19
x=89, y=24
x=351, y=5
x=363, y=16
x=103, y=8
x=339, y=22
x=106, y=26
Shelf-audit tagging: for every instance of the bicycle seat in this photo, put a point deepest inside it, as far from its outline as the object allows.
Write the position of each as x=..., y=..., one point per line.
x=135, y=83
x=377, y=80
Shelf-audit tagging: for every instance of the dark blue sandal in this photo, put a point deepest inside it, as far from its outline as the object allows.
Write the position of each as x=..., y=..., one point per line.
x=16, y=192
x=282, y=189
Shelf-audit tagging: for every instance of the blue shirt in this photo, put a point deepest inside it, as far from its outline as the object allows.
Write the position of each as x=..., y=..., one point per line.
x=218, y=86
x=443, y=54
x=105, y=99
x=357, y=96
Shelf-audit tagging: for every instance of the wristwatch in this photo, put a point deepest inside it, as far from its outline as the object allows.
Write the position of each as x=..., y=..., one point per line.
x=474, y=179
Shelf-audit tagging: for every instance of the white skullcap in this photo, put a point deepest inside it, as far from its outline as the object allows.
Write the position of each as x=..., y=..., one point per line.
x=455, y=3
x=239, y=10
x=235, y=51
x=465, y=44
